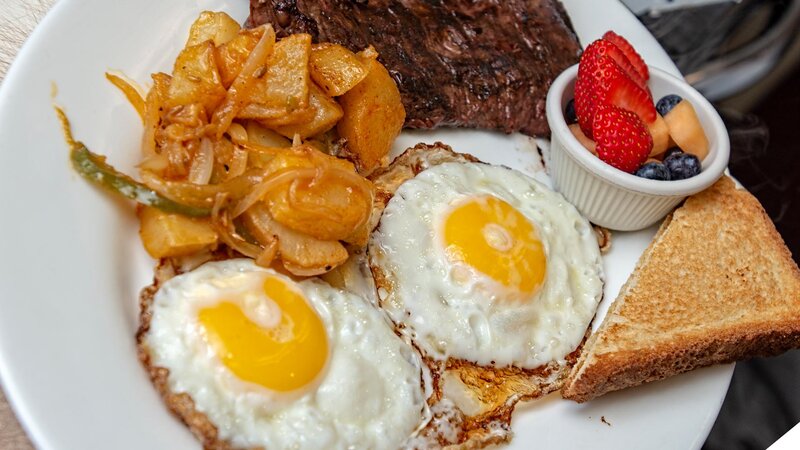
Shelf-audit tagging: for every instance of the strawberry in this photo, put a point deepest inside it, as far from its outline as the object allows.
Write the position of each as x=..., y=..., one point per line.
x=585, y=104
x=595, y=74
x=625, y=94
x=596, y=64
x=602, y=47
x=622, y=139
x=628, y=50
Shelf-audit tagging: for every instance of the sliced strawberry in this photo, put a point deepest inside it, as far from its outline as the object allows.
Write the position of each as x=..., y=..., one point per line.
x=627, y=49
x=585, y=103
x=625, y=94
x=602, y=47
x=623, y=141
x=603, y=72
x=595, y=74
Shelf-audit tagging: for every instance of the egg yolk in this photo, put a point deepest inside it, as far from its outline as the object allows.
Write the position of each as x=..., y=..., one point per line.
x=494, y=238
x=283, y=358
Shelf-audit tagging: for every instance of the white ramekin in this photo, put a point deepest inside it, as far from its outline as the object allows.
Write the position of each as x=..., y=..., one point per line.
x=610, y=197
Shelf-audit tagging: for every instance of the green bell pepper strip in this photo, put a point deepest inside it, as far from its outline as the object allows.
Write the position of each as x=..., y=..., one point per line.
x=94, y=168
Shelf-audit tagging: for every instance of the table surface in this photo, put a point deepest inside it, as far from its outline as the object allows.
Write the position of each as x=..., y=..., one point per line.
x=17, y=20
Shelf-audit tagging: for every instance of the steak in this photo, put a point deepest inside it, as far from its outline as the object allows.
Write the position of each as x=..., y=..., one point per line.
x=477, y=64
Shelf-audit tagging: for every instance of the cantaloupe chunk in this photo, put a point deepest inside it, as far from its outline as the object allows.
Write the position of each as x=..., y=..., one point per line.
x=585, y=141
x=660, y=133
x=686, y=131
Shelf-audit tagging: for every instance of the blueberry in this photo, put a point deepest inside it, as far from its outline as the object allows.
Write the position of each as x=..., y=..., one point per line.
x=569, y=112
x=653, y=171
x=672, y=151
x=666, y=103
x=682, y=166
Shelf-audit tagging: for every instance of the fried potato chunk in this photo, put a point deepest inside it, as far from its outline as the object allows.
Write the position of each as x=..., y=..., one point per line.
x=166, y=235
x=195, y=78
x=326, y=112
x=213, y=26
x=295, y=117
x=260, y=135
x=329, y=203
x=336, y=69
x=373, y=117
x=285, y=86
x=232, y=55
x=301, y=254
x=283, y=130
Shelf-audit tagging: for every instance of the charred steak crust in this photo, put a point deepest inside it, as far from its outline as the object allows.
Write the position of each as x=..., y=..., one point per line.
x=477, y=64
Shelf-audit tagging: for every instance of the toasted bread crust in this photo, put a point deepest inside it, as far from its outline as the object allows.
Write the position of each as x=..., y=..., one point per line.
x=716, y=285
x=614, y=371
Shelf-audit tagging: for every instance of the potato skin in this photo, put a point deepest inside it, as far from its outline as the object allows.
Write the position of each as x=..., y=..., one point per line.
x=373, y=117
x=336, y=69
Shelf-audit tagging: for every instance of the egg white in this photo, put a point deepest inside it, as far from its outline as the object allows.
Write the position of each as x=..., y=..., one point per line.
x=369, y=396
x=450, y=315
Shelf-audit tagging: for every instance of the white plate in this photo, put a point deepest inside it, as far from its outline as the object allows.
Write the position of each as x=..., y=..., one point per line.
x=72, y=265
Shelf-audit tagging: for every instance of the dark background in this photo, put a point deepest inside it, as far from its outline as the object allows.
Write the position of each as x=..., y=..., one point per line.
x=763, y=401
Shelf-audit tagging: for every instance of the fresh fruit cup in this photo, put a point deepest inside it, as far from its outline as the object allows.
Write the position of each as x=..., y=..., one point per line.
x=610, y=197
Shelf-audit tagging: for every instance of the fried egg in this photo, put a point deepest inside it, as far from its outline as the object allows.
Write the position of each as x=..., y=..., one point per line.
x=484, y=264
x=275, y=363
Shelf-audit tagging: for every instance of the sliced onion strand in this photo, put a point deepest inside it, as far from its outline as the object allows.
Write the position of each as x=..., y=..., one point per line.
x=202, y=163
x=269, y=183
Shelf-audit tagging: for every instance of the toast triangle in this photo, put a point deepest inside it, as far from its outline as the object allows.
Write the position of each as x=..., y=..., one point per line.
x=716, y=285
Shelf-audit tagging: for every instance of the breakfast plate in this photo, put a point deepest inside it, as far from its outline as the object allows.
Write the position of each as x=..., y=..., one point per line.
x=72, y=263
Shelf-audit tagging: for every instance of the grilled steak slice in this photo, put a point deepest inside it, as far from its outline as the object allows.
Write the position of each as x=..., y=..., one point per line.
x=465, y=63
